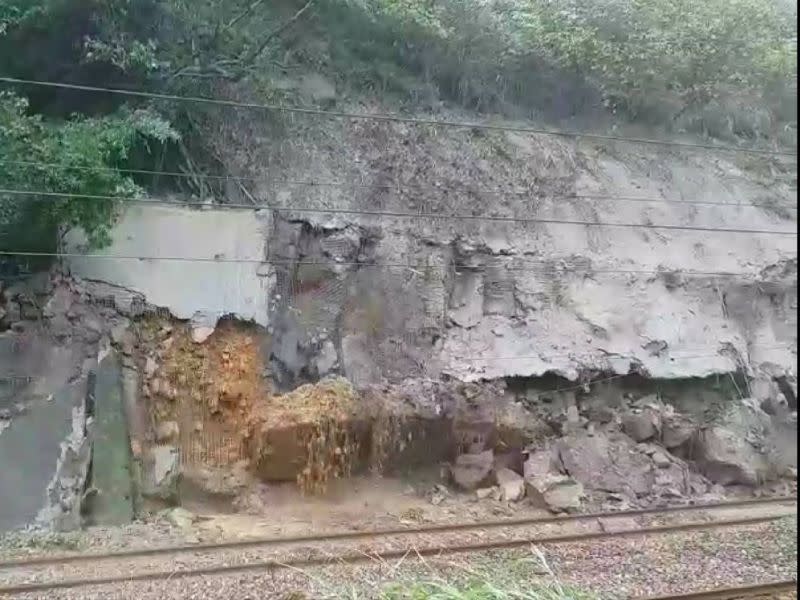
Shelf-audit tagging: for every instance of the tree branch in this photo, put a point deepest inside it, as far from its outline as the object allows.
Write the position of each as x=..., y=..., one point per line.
x=243, y=14
x=256, y=52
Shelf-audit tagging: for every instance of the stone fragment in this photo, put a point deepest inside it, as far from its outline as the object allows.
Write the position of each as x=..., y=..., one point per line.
x=150, y=366
x=167, y=431
x=616, y=524
x=484, y=493
x=179, y=517
x=229, y=481
x=161, y=473
x=661, y=460
x=557, y=493
x=472, y=471
x=201, y=334
x=539, y=464
x=511, y=484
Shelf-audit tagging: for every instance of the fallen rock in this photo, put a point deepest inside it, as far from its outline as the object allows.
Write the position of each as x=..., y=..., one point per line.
x=201, y=334
x=229, y=481
x=676, y=430
x=162, y=473
x=557, y=493
x=726, y=458
x=511, y=484
x=179, y=517
x=484, y=493
x=150, y=367
x=606, y=462
x=601, y=414
x=671, y=492
x=661, y=460
x=641, y=426
x=540, y=463
x=615, y=524
x=118, y=333
x=775, y=405
x=472, y=471
x=167, y=431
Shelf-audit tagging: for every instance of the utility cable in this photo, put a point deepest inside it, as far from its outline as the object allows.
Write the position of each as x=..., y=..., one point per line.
x=380, y=186
x=411, y=215
x=386, y=117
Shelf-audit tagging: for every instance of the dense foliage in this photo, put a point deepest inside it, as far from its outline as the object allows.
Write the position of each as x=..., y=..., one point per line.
x=76, y=157
x=725, y=68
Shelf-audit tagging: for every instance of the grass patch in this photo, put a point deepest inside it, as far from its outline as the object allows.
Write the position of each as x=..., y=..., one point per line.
x=483, y=590
x=16, y=541
x=497, y=576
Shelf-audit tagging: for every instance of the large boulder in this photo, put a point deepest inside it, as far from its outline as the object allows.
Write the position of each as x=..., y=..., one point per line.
x=732, y=449
x=727, y=458
x=473, y=471
x=676, y=430
x=541, y=463
x=607, y=462
x=642, y=426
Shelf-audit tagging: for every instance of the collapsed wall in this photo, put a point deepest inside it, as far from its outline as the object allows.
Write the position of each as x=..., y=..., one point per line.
x=554, y=274
x=179, y=414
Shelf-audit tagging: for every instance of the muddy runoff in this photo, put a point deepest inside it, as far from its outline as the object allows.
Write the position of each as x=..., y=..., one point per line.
x=212, y=407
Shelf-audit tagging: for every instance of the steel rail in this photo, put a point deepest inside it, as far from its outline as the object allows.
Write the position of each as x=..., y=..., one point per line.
x=729, y=593
x=352, y=558
x=378, y=533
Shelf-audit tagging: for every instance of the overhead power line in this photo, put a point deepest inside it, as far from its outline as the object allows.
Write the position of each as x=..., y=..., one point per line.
x=544, y=269
x=387, y=117
x=402, y=214
x=396, y=187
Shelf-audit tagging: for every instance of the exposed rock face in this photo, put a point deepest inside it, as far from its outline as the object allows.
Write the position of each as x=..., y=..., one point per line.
x=472, y=302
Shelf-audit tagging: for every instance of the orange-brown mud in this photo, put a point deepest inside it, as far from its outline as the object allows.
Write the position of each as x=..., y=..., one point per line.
x=215, y=401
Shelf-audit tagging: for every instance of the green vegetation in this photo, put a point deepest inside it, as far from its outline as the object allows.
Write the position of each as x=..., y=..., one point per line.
x=84, y=150
x=482, y=590
x=505, y=575
x=724, y=68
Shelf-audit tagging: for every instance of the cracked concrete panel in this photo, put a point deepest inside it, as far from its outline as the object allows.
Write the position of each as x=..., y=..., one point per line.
x=30, y=454
x=213, y=286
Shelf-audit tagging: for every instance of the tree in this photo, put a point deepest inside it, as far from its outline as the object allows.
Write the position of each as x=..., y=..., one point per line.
x=79, y=158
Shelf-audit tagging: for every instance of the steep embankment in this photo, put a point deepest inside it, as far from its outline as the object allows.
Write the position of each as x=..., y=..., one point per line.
x=511, y=289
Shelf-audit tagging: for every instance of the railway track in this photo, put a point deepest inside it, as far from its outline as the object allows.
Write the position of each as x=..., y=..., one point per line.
x=378, y=533
x=297, y=560
x=749, y=592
